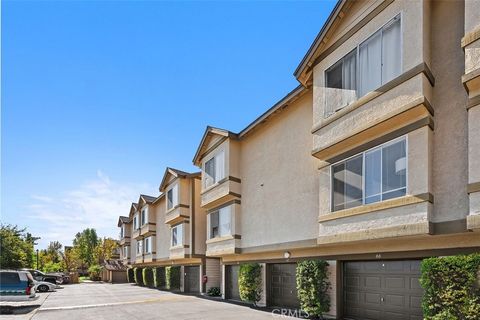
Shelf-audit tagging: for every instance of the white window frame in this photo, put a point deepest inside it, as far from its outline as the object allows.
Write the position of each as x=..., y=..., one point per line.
x=136, y=224
x=144, y=216
x=357, y=64
x=122, y=231
x=175, y=197
x=179, y=239
x=125, y=252
x=217, y=177
x=148, y=245
x=383, y=145
x=218, y=211
x=139, y=248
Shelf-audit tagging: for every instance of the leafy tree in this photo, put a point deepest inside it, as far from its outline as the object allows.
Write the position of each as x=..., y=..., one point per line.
x=53, y=250
x=250, y=282
x=105, y=249
x=70, y=259
x=312, y=287
x=85, y=243
x=16, y=247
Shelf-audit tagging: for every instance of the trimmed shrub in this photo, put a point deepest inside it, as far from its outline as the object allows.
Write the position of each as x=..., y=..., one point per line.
x=130, y=275
x=250, y=282
x=147, y=276
x=172, y=277
x=137, y=275
x=214, y=292
x=94, y=272
x=312, y=287
x=159, y=277
x=450, y=287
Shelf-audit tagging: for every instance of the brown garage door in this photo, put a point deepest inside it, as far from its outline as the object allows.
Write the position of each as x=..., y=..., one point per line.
x=282, y=285
x=231, y=282
x=192, y=279
x=382, y=290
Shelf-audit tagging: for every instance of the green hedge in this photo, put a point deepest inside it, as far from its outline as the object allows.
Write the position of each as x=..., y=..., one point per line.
x=137, y=275
x=172, y=277
x=147, y=276
x=250, y=282
x=312, y=287
x=130, y=275
x=451, y=292
x=159, y=277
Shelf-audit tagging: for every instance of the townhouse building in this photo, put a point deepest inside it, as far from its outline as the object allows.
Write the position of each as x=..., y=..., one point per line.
x=372, y=163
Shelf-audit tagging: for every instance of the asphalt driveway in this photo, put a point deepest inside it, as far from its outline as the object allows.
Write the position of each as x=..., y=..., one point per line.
x=126, y=301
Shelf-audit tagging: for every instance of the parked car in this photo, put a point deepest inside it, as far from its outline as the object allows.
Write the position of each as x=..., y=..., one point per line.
x=16, y=286
x=47, y=277
x=43, y=286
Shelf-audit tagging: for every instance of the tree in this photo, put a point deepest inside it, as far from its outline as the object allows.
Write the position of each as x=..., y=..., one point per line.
x=85, y=243
x=16, y=247
x=70, y=259
x=53, y=250
x=105, y=249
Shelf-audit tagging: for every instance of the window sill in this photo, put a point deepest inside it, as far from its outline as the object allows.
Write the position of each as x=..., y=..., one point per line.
x=220, y=239
x=377, y=206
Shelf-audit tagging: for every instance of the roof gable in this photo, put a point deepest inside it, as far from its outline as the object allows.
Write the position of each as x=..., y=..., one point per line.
x=123, y=220
x=171, y=174
x=144, y=199
x=133, y=208
x=211, y=138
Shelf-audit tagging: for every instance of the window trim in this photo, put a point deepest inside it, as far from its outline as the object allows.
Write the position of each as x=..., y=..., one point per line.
x=144, y=210
x=176, y=201
x=357, y=58
x=385, y=144
x=217, y=211
x=148, y=245
x=179, y=241
x=211, y=156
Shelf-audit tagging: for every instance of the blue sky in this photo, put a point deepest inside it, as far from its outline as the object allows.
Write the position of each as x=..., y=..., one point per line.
x=99, y=97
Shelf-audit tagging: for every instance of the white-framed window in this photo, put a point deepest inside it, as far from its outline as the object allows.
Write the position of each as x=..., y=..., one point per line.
x=144, y=216
x=374, y=62
x=177, y=235
x=125, y=252
x=172, y=197
x=135, y=222
x=148, y=245
x=375, y=175
x=214, y=169
x=221, y=222
x=122, y=231
x=139, y=247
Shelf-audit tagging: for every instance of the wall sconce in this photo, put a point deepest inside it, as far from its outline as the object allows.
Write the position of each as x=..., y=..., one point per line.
x=287, y=255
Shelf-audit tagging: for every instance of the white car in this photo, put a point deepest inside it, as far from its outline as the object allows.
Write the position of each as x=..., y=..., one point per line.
x=43, y=286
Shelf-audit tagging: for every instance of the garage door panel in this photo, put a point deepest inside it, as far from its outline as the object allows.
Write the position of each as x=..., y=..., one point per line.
x=192, y=279
x=382, y=290
x=231, y=283
x=373, y=282
x=282, y=285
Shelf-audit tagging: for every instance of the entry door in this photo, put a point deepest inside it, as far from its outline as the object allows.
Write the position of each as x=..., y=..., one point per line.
x=378, y=290
x=231, y=282
x=282, y=285
x=192, y=279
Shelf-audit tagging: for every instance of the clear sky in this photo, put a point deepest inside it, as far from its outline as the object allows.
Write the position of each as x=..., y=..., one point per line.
x=99, y=97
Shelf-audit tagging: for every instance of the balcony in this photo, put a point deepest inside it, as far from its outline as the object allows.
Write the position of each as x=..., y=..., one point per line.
x=139, y=259
x=136, y=234
x=399, y=106
x=125, y=240
x=178, y=213
x=179, y=252
x=149, y=257
x=223, y=191
x=148, y=229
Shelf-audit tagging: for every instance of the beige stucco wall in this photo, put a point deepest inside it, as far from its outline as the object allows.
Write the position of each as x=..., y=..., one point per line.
x=279, y=186
x=162, y=230
x=449, y=101
x=200, y=219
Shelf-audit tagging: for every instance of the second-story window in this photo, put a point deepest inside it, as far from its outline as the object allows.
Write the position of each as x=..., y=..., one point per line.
x=372, y=176
x=148, y=245
x=220, y=222
x=125, y=252
x=177, y=235
x=139, y=248
x=172, y=197
x=144, y=216
x=135, y=222
x=373, y=63
x=122, y=232
x=215, y=169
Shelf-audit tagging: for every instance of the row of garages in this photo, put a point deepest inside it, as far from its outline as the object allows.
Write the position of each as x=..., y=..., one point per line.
x=364, y=290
